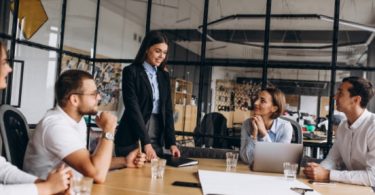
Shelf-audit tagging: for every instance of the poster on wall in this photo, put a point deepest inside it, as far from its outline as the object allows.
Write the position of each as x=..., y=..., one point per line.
x=107, y=77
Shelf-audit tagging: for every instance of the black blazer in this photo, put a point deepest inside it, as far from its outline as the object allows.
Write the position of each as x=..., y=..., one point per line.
x=137, y=96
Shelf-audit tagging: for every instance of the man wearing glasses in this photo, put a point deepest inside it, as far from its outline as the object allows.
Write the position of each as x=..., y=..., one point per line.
x=60, y=137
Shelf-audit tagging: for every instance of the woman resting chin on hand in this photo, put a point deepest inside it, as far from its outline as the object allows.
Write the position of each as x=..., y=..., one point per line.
x=265, y=125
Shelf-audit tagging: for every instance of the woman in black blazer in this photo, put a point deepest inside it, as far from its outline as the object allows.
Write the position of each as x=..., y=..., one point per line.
x=148, y=114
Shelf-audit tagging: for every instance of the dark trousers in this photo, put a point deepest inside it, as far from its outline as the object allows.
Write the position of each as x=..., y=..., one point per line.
x=154, y=132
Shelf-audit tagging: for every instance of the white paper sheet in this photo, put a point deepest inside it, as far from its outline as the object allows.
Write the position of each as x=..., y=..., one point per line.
x=228, y=183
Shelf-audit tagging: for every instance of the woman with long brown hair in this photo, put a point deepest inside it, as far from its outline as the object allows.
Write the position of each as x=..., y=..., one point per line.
x=148, y=115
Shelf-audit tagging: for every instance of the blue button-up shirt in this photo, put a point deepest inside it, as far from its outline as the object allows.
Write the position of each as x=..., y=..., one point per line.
x=151, y=74
x=281, y=131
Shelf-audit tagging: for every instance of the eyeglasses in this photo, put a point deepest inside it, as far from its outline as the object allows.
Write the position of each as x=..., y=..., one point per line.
x=94, y=94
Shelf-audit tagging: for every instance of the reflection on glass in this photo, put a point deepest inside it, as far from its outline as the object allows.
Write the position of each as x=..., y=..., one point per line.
x=80, y=26
x=180, y=21
x=121, y=28
x=39, y=21
x=39, y=75
x=234, y=31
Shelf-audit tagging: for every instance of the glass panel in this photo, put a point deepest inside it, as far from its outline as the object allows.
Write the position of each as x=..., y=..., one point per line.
x=307, y=95
x=80, y=26
x=356, y=45
x=298, y=35
x=306, y=91
x=40, y=22
x=121, y=28
x=108, y=77
x=233, y=89
x=236, y=31
x=38, y=78
x=235, y=48
x=179, y=20
x=184, y=93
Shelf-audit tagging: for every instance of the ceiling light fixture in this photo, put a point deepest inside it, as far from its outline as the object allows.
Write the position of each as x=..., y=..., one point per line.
x=348, y=23
x=292, y=16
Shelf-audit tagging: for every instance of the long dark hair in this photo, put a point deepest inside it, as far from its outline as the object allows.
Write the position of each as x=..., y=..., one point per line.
x=153, y=37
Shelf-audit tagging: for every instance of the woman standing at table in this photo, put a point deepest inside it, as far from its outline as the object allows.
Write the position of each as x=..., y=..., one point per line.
x=14, y=181
x=265, y=125
x=148, y=114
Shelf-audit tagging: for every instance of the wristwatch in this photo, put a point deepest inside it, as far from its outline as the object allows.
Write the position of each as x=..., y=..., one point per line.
x=108, y=136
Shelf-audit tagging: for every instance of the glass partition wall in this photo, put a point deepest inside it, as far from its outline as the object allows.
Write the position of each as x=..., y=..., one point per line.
x=180, y=21
x=300, y=61
x=216, y=69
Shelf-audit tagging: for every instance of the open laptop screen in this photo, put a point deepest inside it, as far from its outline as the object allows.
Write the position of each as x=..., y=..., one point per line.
x=269, y=157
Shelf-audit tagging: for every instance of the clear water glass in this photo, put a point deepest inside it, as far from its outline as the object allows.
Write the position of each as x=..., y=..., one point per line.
x=231, y=159
x=157, y=168
x=290, y=170
x=82, y=185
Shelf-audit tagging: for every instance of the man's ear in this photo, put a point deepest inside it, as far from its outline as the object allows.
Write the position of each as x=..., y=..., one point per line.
x=73, y=100
x=357, y=99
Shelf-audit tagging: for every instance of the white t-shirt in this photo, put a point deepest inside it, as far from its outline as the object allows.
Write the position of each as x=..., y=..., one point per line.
x=56, y=136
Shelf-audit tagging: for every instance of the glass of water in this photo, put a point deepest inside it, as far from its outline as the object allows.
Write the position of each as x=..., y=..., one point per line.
x=232, y=158
x=290, y=170
x=157, y=168
x=82, y=185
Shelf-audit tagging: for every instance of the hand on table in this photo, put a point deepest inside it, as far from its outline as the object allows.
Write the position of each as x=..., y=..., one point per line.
x=316, y=172
x=135, y=159
x=175, y=151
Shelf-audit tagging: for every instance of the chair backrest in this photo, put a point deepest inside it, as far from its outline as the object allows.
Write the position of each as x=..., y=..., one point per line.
x=14, y=131
x=297, y=131
x=213, y=123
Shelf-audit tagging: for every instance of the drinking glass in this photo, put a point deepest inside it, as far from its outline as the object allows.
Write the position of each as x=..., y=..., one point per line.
x=290, y=170
x=157, y=168
x=232, y=158
x=82, y=185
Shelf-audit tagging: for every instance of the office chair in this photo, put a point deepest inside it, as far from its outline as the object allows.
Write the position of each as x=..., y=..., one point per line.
x=213, y=124
x=297, y=131
x=14, y=131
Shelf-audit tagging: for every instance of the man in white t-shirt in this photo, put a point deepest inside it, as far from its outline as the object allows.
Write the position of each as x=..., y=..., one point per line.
x=14, y=181
x=61, y=135
x=352, y=156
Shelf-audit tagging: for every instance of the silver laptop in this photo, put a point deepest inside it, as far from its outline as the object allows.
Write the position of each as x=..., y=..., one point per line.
x=269, y=157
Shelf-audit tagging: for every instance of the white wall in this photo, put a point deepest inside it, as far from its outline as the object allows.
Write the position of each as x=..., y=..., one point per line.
x=309, y=104
x=115, y=40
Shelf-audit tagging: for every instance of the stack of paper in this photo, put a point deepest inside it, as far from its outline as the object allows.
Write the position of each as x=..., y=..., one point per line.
x=214, y=182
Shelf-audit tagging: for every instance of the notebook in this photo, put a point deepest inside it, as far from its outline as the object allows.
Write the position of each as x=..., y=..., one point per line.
x=269, y=157
x=179, y=161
